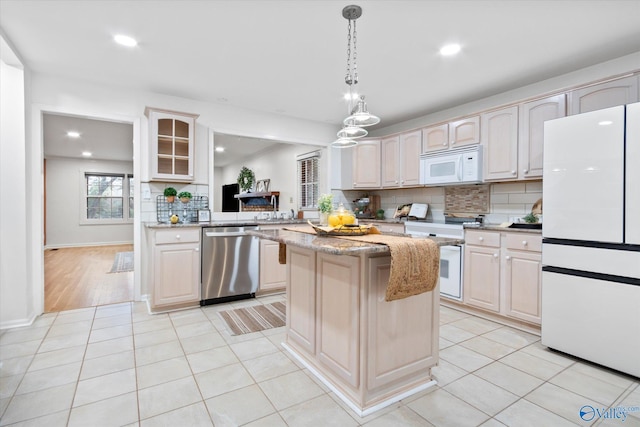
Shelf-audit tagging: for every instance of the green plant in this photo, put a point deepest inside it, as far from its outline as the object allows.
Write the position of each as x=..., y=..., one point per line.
x=170, y=191
x=184, y=195
x=325, y=203
x=530, y=218
x=246, y=178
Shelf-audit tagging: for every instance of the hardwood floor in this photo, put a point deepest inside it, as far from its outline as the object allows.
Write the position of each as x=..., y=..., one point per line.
x=78, y=278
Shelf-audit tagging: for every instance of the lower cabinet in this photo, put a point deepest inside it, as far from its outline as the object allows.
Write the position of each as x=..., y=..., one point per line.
x=176, y=268
x=273, y=275
x=503, y=272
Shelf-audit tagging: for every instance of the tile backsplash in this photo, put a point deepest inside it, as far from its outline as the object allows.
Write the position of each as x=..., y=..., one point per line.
x=500, y=201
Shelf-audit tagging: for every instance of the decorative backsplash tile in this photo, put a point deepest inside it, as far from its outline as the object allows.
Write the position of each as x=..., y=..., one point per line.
x=467, y=199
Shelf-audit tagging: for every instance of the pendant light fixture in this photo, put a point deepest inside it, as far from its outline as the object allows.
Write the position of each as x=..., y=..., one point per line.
x=359, y=116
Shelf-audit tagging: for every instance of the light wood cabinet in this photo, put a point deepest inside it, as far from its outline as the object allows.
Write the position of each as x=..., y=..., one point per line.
x=172, y=142
x=401, y=160
x=176, y=268
x=390, y=161
x=500, y=142
x=301, y=296
x=338, y=329
x=482, y=271
x=451, y=135
x=604, y=95
x=503, y=273
x=273, y=275
x=366, y=164
x=531, y=132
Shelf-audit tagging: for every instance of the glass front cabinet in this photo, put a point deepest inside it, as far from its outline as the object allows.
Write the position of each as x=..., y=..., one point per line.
x=172, y=139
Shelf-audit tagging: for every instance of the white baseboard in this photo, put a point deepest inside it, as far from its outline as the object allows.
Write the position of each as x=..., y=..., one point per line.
x=89, y=244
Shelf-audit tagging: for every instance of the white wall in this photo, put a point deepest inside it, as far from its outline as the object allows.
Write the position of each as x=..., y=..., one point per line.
x=65, y=199
x=15, y=289
x=280, y=166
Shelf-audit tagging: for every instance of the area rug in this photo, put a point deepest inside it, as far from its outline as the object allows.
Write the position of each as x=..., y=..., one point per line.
x=122, y=263
x=254, y=318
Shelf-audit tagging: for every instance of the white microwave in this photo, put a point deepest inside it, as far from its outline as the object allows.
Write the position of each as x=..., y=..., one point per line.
x=462, y=166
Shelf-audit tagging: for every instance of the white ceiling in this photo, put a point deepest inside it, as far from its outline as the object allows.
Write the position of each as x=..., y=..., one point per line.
x=289, y=57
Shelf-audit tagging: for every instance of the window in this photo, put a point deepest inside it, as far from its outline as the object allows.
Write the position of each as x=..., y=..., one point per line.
x=108, y=198
x=308, y=180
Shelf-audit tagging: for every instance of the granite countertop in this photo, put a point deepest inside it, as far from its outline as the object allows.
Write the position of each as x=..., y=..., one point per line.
x=500, y=227
x=335, y=245
x=226, y=223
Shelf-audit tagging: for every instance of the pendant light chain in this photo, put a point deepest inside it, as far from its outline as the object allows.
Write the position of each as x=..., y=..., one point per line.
x=355, y=54
x=347, y=78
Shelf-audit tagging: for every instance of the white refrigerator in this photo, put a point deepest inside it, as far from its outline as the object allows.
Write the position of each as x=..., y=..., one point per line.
x=591, y=237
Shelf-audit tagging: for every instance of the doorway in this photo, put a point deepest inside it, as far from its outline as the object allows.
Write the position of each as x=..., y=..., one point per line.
x=88, y=211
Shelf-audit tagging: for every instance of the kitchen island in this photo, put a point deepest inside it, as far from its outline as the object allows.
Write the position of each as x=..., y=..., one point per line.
x=369, y=351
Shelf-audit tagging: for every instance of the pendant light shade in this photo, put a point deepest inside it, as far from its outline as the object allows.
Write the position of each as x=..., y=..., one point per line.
x=344, y=143
x=361, y=116
x=350, y=130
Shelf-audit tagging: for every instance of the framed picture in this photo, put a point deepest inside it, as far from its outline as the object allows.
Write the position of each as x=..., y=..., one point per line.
x=262, y=186
x=204, y=215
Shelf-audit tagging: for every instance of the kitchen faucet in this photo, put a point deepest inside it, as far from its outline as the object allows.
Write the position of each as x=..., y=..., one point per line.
x=273, y=203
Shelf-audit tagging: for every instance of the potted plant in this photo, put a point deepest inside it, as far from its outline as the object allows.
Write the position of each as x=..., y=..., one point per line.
x=246, y=179
x=325, y=206
x=184, y=196
x=170, y=194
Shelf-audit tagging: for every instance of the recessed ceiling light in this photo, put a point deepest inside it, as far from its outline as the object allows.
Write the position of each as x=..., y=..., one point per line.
x=605, y=123
x=125, y=40
x=86, y=154
x=450, y=49
x=351, y=96
x=73, y=134
x=219, y=149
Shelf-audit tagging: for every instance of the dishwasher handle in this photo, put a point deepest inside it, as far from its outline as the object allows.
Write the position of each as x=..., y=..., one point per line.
x=226, y=234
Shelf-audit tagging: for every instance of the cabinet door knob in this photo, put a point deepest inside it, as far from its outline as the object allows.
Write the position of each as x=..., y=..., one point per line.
x=495, y=255
x=525, y=243
x=481, y=238
x=507, y=257
x=453, y=142
x=177, y=237
x=525, y=171
x=197, y=249
x=513, y=172
x=444, y=143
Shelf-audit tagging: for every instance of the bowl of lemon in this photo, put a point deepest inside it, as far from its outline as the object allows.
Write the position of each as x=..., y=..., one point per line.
x=342, y=222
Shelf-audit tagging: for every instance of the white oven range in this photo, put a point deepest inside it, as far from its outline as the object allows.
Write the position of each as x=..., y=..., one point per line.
x=450, y=256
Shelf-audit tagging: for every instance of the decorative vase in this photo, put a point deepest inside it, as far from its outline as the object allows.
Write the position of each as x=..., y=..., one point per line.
x=171, y=199
x=324, y=219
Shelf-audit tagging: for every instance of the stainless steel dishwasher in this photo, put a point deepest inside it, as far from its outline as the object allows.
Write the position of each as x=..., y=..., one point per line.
x=229, y=264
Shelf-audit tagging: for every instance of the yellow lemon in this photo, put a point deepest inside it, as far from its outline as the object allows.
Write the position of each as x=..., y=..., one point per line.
x=174, y=219
x=348, y=219
x=334, y=220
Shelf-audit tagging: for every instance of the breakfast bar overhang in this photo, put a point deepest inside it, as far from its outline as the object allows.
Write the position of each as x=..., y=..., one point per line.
x=369, y=351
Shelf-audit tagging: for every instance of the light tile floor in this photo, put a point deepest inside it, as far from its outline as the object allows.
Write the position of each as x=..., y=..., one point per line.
x=117, y=365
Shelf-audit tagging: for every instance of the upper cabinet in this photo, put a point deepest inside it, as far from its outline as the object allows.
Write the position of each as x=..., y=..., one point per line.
x=500, y=141
x=366, y=164
x=401, y=160
x=604, y=95
x=172, y=141
x=451, y=135
x=531, y=133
